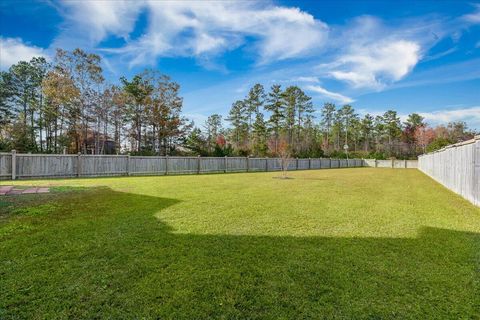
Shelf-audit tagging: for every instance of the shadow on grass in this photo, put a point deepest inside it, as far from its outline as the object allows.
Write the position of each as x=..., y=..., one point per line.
x=104, y=254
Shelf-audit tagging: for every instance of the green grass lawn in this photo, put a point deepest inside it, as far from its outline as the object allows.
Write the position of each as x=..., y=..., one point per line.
x=340, y=243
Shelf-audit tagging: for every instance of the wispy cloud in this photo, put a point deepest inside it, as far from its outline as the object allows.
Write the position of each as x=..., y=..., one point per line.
x=445, y=73
x=473, y=17
x=297, y=79
x=13, y=50
x=440, y=54
x=198, y=118
x=87, y=23
x=375, y=65
x=366, y=53
x=329, y=94
x=305, y=79
x=372, y=55
x=470, y=115
x=177, y=28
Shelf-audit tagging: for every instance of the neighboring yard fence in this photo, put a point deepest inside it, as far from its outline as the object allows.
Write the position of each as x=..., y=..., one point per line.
x=457, y=167
x=24, y=166
x=396, y=164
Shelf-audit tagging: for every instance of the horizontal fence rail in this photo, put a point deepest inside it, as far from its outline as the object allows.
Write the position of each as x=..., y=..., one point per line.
x=457, y=167
x=28, y=166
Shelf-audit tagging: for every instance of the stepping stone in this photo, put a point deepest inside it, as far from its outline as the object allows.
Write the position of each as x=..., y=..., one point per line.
x=5, y=189
x=30, y=191
x=43, y=190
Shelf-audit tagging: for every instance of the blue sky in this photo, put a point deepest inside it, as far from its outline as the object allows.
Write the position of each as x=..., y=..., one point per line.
x=412, y=56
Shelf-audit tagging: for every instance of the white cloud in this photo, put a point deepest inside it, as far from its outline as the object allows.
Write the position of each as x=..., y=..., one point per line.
x=445, y=73
x=440, y=54
x=306, y=79
x=198, y=118
x=13, y=50
x=370, y=54
x=294, y=79
x=377, y=64
x=177, y=28
x=89, y=22
x=473, y=17
x=329, y=94
x=470, y=115
x=366, y=53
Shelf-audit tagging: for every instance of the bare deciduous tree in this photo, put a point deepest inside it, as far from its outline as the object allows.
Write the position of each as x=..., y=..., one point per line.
x=282, y=151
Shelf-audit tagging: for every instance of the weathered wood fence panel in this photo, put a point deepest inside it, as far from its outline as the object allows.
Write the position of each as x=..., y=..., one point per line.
x=257, y=164
x=334, y=163
x=396, y=164
x=212, y=165
x=40, y=165
x=384, y=164
x=457, y=167
x=146, y=165
x=325, y=163
x=412, y=164
x=369, y=162
x=236, y=164
x=183, y=165
x=5, y=165
x=303, y=164
x=103, y=165
x=274, y=164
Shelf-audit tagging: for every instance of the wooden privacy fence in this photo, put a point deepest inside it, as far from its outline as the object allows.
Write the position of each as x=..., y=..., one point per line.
x=457, y=167
x=395, y=164
x=24, y=166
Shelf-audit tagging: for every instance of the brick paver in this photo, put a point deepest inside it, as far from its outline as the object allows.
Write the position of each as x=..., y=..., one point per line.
x=30, y=190
x=10, y=190
x=5, y=189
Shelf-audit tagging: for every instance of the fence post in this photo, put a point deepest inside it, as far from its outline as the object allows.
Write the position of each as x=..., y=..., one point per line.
x=225, y=164
x=14, y=164
x=198, y=164
x=79, y=164
x=296, y=163
x=393, y=164
x=330, y=163
x=128, y=164
x=266, y=164
x=376, y=165
x=166, y=164
x=405, y=163
x=248, y=163
x=309, y=163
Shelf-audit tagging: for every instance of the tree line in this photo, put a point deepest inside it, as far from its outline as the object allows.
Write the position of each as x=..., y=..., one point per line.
x=263, y=121
x=67, y=106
